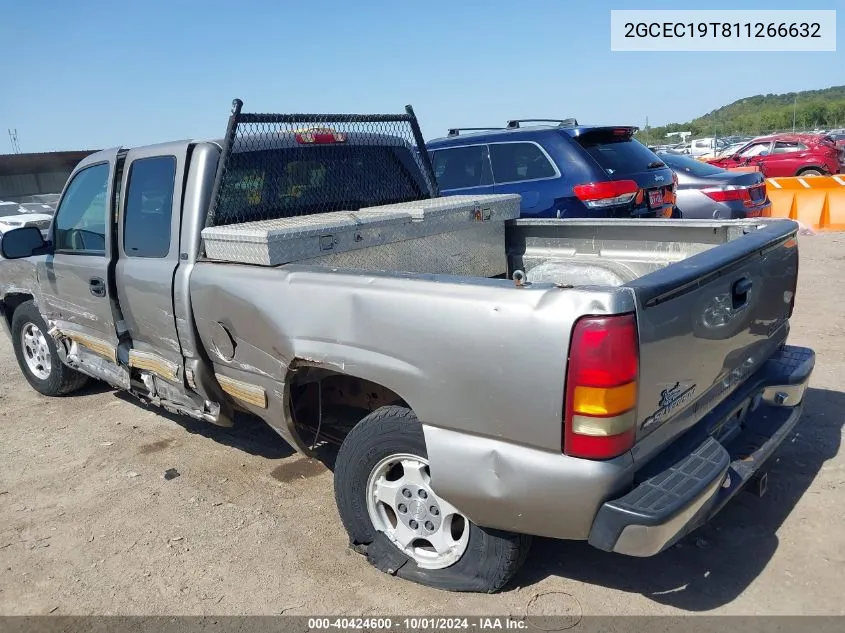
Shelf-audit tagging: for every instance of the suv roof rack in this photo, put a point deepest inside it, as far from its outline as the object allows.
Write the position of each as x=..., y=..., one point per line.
x=455, y=131
x=571, y=122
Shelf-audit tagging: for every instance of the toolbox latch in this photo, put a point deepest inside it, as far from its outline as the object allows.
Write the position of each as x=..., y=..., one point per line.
x=481, y=214
x=327, y=242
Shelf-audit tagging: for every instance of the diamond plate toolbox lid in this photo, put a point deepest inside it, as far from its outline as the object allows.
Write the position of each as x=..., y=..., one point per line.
x=284, y=240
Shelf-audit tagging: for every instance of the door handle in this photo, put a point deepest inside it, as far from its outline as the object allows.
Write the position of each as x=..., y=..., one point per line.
x=97, y=286
x=739, y=292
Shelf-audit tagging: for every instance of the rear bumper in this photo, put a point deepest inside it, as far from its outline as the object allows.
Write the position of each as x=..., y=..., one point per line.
x=762, y=211
x=702, y=474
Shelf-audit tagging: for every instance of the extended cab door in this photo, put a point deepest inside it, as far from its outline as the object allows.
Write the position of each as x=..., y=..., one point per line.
x=74, y=280
x=148, y=254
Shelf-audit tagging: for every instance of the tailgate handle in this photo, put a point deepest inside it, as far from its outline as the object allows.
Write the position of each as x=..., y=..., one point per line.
x=739, y=292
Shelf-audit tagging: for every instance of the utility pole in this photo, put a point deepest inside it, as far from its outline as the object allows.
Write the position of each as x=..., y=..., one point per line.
x=794, y=109
x=647, y=138
x=714, y=130
x=13, y=137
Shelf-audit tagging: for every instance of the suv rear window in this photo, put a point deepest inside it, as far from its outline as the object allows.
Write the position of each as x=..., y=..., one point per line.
x=290, y=181
x=515, y=162
x=617, y=155
x=785, y=147
x=462, y=167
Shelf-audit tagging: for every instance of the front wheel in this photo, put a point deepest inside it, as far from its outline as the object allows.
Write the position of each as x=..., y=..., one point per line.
x=392, y=514
x=37, y=357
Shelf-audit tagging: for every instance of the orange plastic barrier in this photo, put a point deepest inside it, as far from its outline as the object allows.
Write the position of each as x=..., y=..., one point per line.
x=817, y=201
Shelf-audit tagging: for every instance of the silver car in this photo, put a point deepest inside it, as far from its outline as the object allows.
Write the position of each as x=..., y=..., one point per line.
x=706, y=191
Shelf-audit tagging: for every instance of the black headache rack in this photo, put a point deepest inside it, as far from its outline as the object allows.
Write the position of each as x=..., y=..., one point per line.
x=284, y=165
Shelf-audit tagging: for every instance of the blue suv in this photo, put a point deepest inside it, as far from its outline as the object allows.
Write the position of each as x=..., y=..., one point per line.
x=560, y=168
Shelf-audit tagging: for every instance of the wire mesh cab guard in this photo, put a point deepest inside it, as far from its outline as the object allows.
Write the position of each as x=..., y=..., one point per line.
x=276, y=166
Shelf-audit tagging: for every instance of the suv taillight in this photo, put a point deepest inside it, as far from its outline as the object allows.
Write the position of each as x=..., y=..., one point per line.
x=606, y=194
x=600, y=411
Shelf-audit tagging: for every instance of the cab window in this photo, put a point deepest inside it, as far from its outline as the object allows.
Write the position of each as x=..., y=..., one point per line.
x=149, y=207
x=80, y=225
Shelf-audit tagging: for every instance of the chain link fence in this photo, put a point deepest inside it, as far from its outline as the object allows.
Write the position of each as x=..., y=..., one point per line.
x=284, y=165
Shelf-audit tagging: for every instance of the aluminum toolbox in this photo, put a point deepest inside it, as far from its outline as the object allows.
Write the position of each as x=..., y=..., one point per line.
x=454, y=235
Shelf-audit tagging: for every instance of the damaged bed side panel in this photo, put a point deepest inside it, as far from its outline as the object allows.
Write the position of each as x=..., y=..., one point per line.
x=474, y=355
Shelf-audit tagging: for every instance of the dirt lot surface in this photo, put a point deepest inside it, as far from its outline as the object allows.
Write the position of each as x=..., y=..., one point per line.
x=89, y=524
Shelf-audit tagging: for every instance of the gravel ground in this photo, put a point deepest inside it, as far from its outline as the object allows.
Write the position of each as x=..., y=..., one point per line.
x=89, y=525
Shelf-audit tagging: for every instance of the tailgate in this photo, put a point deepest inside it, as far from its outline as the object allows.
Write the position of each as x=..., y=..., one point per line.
x=707, y=323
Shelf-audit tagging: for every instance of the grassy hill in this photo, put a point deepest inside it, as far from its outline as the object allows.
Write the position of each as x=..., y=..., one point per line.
x=765, y=113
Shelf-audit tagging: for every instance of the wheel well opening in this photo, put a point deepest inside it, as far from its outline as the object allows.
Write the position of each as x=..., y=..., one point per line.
x=11, y=303
x=325, y=405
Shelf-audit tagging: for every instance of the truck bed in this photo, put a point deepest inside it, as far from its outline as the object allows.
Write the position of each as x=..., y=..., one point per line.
x=708, y=317
x=612, y=252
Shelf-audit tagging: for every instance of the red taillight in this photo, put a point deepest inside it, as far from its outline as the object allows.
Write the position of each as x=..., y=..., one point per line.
x=607, y=193
x=601, y=387
x=733, y=193
x=320, y=136
x=793, y=243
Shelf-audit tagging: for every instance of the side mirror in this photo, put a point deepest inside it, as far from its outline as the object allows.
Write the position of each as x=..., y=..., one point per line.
x=23, y=242
x=763, y=153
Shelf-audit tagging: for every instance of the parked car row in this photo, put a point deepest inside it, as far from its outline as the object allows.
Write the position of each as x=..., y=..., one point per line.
x=563, y=169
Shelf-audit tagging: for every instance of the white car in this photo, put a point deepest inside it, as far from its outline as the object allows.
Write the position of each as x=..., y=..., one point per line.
x=41, y=220
x=707, y=147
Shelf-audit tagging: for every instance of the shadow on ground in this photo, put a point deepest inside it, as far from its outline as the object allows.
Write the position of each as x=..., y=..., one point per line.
x=714, y=565
x=92, y=388
x=250, y=434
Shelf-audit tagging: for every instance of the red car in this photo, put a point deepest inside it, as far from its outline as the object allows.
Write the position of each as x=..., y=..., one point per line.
x=788, y=155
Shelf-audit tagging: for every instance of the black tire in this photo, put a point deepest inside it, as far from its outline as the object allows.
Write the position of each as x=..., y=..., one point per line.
x=62, y=380
x=812, y=171
x=492, y=556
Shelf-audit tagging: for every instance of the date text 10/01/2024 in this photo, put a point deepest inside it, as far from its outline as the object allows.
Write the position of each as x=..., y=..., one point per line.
x=722, y=29
x=417, y=623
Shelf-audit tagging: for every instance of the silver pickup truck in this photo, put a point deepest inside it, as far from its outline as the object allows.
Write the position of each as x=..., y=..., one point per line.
x=486, y=378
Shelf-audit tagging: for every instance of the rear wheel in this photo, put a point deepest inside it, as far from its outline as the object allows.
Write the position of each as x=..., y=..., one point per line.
x=37, y=356
x=392, y=514
x=812, y=171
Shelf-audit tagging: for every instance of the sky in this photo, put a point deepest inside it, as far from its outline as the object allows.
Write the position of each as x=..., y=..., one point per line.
x=91, y=74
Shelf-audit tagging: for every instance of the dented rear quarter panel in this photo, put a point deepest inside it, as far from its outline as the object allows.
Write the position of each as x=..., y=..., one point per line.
x=478, y=356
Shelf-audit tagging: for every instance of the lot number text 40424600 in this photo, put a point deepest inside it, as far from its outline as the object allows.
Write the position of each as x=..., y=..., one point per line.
x=417, y=623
